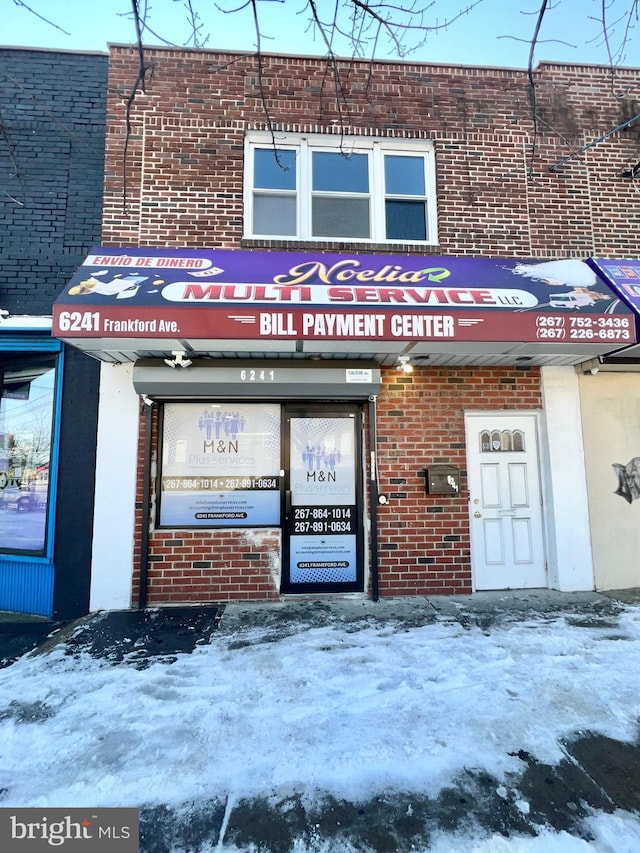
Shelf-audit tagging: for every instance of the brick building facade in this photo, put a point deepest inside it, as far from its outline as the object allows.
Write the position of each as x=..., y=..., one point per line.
x=493, y=185
x=497, y=195
x=51, y=166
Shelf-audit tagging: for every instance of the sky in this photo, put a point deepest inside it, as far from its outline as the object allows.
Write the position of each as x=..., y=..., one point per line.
x=353, y=710
x=494, y=32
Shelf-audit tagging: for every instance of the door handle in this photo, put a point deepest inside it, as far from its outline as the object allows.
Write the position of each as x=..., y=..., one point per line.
x=287, y=501
x=477, y=514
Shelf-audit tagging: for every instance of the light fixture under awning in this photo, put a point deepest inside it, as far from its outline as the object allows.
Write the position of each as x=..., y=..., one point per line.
x=252, y=379
x=124, y=304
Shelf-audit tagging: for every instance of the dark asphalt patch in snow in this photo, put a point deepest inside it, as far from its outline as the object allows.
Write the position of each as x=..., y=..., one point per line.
x=612, y=764
x=26, y=712
x=599, y=775
x=18, y=637
x=137, y=637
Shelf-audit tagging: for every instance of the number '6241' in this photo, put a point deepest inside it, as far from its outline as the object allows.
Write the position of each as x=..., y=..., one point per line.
x=77, y=321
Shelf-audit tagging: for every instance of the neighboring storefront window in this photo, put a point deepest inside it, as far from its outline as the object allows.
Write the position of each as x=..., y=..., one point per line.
x=26, y=425
x=220, y=465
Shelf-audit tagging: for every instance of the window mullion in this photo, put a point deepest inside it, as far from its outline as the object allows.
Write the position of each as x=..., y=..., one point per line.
x=304, y=190
x=248, y=187
x=377, y=189
x=430, y=190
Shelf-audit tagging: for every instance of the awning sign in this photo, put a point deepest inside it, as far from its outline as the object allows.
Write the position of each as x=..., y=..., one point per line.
x=623, y=277
x=155, y=293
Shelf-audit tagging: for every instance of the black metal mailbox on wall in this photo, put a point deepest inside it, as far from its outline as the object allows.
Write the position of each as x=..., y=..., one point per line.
x=442, y=480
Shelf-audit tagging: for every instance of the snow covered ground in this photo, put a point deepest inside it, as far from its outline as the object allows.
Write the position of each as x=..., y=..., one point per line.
x=352, y=711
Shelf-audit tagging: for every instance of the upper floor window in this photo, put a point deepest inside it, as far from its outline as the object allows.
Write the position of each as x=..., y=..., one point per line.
x=337, y=188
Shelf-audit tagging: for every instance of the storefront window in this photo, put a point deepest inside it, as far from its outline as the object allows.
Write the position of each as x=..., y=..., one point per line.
x=27, y=383
x=220, y=465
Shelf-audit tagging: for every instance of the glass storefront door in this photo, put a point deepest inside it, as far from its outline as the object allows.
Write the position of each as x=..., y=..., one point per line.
x=322, y=525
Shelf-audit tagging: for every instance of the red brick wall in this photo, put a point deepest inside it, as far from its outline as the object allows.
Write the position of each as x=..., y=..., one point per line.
x=189, y=566
x=498, y=195
x=424, y=539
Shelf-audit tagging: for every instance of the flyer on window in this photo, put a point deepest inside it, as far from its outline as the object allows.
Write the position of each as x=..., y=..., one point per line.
x=220, y=465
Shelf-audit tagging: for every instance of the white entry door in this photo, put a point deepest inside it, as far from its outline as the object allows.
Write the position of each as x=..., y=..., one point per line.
x=507, y=548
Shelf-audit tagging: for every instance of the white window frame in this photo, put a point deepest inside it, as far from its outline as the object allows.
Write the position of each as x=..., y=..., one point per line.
x=305, y=145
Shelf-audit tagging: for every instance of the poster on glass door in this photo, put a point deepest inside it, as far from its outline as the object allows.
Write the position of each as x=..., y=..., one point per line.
x=220, y=465
x=323, y=464
x=323, y=500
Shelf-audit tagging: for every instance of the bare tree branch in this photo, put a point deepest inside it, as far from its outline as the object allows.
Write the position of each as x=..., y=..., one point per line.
x=16, y=168
x=532, y=86
x=263, y=94
x=385, y=23
x=402, y=20
x=341, y=101
x=140, y=82
x=41, y=17
x=539, y=41
x=593, y=143
x=607, y=30
x=142, y=70
x=195, y=24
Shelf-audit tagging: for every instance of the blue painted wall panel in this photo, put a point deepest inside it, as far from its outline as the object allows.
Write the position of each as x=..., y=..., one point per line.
x=26, y=587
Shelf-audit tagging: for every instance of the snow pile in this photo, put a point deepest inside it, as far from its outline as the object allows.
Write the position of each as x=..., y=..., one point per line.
x=348, y=712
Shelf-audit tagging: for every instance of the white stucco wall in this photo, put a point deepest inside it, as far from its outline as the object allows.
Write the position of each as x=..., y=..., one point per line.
x=569, y=556
x=611, y=428
x=116, y=467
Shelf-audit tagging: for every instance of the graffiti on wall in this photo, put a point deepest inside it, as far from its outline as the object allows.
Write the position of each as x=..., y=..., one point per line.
x=628, y=479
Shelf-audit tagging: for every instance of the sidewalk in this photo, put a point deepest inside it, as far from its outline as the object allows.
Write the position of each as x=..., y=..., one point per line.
x=174, y=630
x=482, y=609
x=443, y=723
